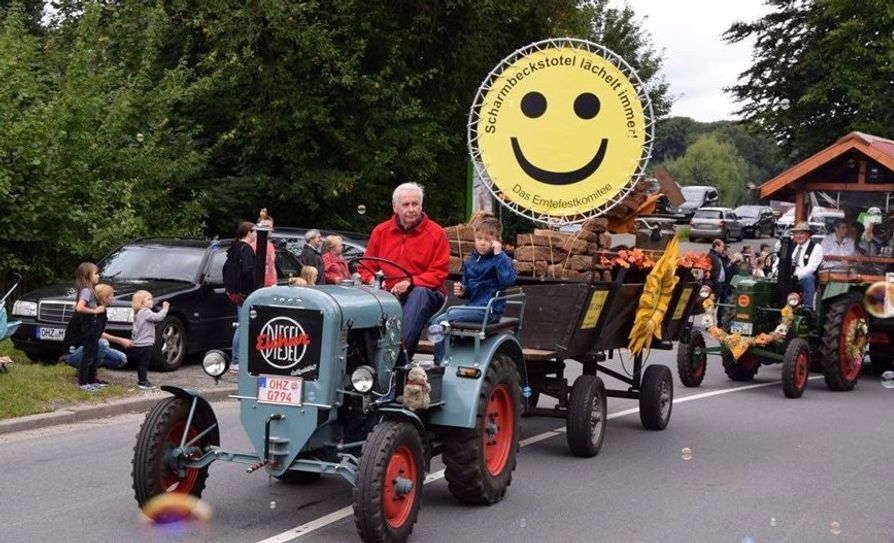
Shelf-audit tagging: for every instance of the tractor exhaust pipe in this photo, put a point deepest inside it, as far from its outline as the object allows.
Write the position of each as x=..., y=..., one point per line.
x=263, y=233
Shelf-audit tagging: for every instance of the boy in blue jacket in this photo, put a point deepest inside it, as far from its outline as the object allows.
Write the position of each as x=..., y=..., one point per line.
x=487, y=270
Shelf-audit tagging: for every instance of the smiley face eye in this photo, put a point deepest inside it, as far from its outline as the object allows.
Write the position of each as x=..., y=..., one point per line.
x=586, y=105
x=533, y=104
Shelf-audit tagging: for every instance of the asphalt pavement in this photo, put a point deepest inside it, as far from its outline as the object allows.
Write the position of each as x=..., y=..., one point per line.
x=760, y=468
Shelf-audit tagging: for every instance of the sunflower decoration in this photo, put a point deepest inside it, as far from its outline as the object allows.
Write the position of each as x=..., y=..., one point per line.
x=654, y=301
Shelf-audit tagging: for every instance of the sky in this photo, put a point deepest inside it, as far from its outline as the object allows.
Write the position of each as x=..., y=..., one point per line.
x=697, y=62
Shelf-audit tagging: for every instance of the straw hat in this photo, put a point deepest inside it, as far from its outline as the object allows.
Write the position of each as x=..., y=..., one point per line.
x=801, y=227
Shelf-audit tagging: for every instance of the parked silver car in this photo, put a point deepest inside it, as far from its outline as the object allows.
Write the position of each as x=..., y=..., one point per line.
x=715, y=223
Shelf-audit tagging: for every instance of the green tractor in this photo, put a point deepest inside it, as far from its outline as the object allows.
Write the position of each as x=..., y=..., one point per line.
x=766, y=323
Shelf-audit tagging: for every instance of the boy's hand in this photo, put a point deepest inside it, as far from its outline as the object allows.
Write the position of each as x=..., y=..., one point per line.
x=165, y=305
x=99, y=309
x=497, y=246
x=458, y=289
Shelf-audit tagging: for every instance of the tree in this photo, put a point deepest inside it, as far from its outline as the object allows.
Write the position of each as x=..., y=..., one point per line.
x=821, y=69
x=711, y=161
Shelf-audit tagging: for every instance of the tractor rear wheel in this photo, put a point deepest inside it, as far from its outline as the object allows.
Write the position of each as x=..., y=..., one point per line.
x=743, y=369
x=690, y=365
x=656, y=397
x=154, y=464
x=840, y=370
x=795, y=366
x=479, y=461
x=388, y=491
x=585, y=423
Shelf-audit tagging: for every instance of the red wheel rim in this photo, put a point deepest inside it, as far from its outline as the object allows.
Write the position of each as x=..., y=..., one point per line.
x=169, y=480
x=801, y=367
x=850, y=369
x=400, y=486
x=698, y=362
x=498, y=430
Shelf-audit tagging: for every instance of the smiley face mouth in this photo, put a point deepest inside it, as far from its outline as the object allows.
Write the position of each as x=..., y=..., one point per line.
x=559, y=178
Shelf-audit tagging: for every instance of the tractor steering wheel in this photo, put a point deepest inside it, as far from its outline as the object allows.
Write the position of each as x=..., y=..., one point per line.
x=406, y=275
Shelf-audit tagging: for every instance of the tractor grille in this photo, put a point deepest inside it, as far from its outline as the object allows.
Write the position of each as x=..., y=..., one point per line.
x=56, y=312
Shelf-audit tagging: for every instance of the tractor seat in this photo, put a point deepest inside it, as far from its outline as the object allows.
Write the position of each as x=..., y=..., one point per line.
x=504, y=324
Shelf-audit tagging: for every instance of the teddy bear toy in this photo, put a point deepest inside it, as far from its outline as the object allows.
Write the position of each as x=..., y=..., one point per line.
x=417, y=390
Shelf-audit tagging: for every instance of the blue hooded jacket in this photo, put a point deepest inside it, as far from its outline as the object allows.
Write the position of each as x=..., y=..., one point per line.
x=484, y=275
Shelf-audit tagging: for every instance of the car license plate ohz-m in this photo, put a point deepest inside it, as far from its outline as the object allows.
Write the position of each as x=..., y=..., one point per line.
x=285, y=341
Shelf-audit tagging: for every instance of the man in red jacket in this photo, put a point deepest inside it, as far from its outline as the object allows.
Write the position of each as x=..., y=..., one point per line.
x=418, y=244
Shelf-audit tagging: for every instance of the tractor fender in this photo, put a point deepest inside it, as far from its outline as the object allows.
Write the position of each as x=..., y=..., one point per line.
x=405, y=415
x=460, y=394
x=202, y=405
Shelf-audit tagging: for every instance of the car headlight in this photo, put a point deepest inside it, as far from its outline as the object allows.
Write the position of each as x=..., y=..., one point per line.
x=119, y=314
x=363, y=379
x=215, y=363
x=24, y=309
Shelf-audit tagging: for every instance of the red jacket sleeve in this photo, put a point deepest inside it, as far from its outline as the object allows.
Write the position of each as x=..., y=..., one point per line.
x=439, y=268
x=366, y=268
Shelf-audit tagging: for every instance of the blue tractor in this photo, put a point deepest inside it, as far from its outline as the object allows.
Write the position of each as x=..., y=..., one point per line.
x=325, y=389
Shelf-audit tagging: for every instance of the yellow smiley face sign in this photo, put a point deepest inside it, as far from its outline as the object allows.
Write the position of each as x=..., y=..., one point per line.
x=561, y=130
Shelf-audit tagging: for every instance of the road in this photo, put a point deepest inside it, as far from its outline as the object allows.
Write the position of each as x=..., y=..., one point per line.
x=761, y=467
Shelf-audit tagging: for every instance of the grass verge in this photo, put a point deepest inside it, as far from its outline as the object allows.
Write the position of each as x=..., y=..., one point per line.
x=29, y=388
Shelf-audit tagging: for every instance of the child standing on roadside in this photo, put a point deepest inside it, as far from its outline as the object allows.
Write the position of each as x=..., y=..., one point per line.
x=86, y=279
x=144, y=320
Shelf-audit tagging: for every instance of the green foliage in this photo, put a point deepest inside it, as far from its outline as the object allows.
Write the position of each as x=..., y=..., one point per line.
x=821, y=69
x=179, y=117
x=711, y=161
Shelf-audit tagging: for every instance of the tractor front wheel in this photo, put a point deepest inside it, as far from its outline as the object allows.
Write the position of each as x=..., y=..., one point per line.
x=585, y=424
x=656, y=397
x=840, y=370
x=388, y=490
x=155, y=469
x=692, y=360
x=742, y=369
x=479, y=461
x=795, y=366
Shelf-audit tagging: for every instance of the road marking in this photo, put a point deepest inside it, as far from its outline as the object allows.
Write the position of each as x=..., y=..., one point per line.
x=344, y=512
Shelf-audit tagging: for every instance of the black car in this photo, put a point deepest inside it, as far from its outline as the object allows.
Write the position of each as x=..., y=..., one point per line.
x=293, y=240
x=756, y=220
x=186, y=273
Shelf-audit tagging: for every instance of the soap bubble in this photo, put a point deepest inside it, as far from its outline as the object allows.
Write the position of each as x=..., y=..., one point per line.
x=272, y=504
x=139, y=137
x=521, y=522
x=747, y=539
x=361, y=209
x=874, y=300
x=174, y=508
x=773, y=522
x=686, y=454
x=835, y=527
x=888, y=379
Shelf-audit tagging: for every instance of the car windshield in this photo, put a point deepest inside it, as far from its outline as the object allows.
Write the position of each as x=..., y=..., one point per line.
x=165, y=263
x=750, y=212
x=693, y=194
x=708, y=214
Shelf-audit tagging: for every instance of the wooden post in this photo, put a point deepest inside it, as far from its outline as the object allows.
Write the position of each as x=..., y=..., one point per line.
x=800, y=206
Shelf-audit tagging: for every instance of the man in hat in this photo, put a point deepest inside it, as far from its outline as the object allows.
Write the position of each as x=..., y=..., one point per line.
x=806, y=259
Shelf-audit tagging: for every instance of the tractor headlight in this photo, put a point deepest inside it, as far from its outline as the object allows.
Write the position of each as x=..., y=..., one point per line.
x=363, y=379
x=215, y=363
x=705, y=292
x=793, y=299
x=24, y=309
x=119, y=314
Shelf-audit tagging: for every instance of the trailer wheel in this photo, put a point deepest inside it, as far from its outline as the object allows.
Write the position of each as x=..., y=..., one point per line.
x=691, y=366
x=656, y=397
x=479, y=461
x=388, y=491
x=839, y=371
x=154, y=465
x=795, y=367
x=585, y=424
x=743, y=369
